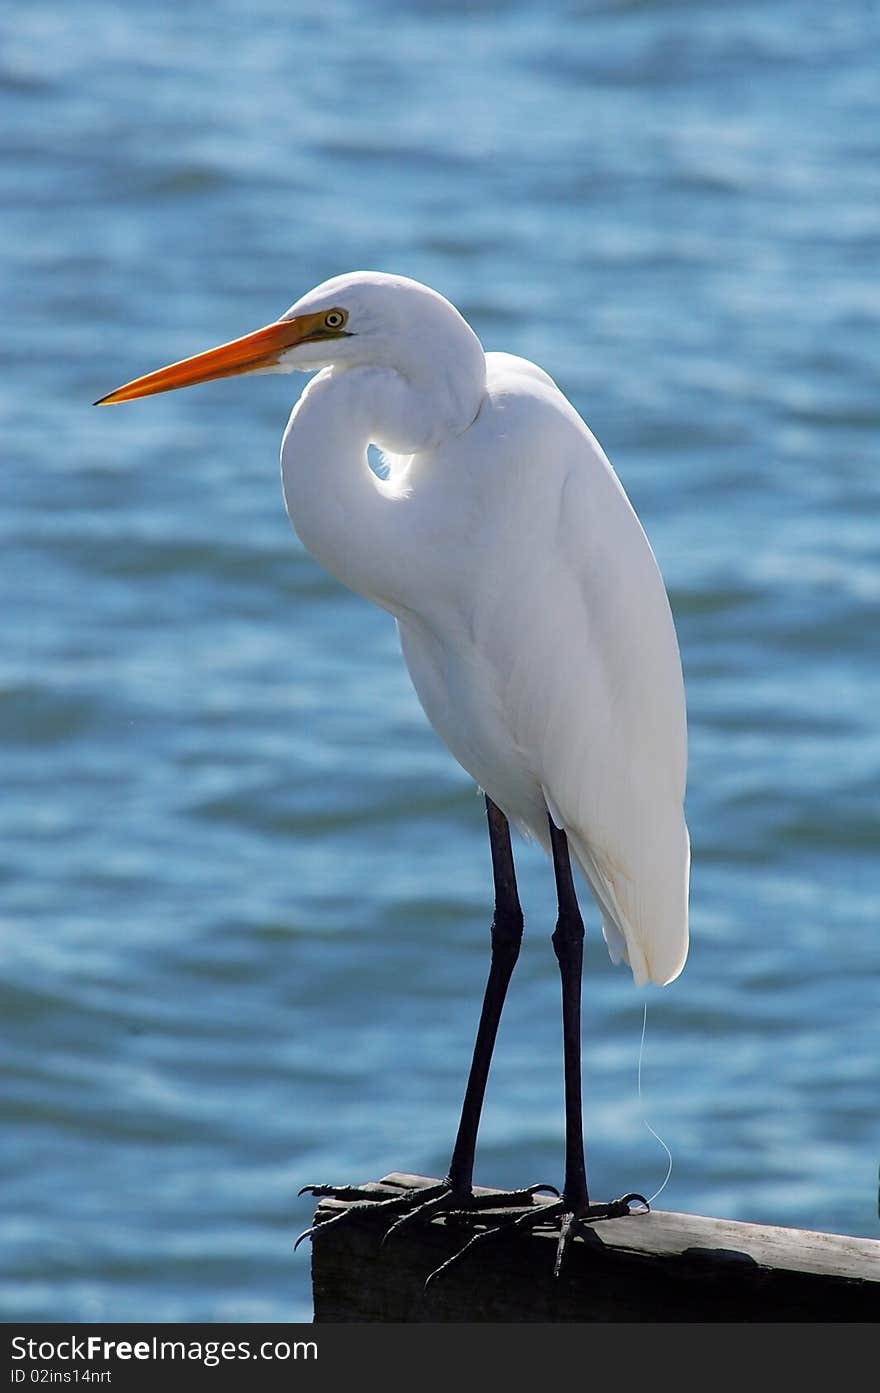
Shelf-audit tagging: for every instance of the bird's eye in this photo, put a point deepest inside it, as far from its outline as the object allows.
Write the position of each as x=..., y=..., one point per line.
x=334, y=319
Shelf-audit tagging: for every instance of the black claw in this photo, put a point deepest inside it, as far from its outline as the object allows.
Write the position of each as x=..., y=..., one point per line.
x=457, y=1257
x=337, y=1218
x=319, y=1224
x=617, y=1209
x=627, y=1201
x=343, y=1192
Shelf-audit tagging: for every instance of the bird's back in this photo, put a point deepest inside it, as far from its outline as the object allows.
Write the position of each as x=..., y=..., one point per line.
x=547, y=658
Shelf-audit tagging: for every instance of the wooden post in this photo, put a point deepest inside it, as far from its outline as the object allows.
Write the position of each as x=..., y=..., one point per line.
x=647, y=1267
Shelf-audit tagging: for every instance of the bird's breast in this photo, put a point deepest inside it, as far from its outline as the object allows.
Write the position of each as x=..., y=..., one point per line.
x=460, y=695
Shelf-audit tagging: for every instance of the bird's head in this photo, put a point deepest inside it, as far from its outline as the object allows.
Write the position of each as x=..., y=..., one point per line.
x=362, y=318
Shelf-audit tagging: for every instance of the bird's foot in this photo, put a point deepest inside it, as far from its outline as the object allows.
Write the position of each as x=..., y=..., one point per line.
x=557, y=1213
x=465, y=1207
x=412, y=1205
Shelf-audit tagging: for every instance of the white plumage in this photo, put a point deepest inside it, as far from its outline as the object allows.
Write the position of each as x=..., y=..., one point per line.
x=532, y=614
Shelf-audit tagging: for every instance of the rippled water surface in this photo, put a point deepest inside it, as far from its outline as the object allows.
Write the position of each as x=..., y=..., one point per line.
x=244, y=890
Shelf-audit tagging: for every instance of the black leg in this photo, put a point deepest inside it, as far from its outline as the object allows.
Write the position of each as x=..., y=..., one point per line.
x=507, y=927
x=568, y=945
x=573, y=1210
x=456, y=1191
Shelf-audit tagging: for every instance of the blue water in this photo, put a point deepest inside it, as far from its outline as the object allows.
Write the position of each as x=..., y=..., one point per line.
x=244, y=890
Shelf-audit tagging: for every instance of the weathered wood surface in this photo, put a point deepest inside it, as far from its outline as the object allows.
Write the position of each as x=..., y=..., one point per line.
x=647, y=1267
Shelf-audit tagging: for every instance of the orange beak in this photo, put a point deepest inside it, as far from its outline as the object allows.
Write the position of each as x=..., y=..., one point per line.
x=262, y=349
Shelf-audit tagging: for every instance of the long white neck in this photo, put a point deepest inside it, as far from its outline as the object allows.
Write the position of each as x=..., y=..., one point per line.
x=359, y=527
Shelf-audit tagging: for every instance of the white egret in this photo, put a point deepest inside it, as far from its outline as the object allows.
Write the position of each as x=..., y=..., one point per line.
x=532, y=617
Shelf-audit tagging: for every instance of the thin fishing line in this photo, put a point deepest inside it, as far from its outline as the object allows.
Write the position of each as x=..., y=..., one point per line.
x=645, y=1122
